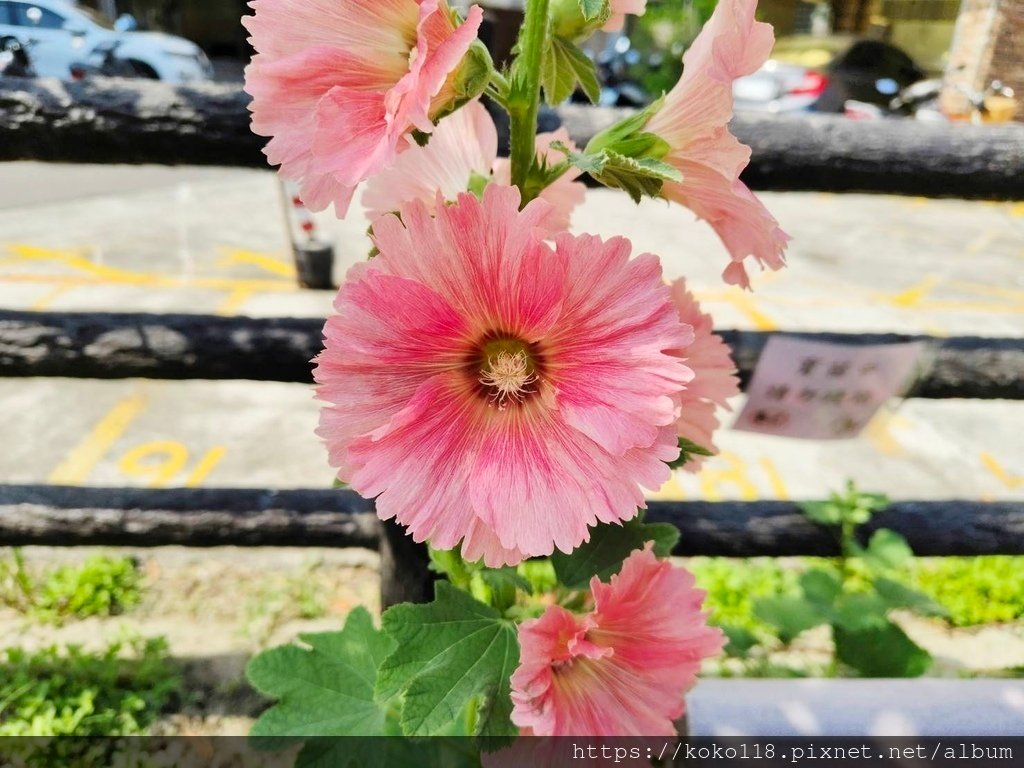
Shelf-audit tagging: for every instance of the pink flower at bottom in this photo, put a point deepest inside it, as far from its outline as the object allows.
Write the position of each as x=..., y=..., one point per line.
x=491, y=389
x=339, y=84
x=621, y=670
x=463, y=146
x=714, y=376
x=694, y=121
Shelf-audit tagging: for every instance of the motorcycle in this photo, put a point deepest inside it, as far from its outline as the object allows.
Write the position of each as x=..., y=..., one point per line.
x=14, y=59
x=921, y=101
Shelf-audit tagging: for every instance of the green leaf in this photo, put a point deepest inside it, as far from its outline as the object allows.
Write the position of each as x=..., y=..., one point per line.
x=741, y=640
x=882, y=651
x=822, y=512
x=789, y=615
x=592, y=9
x=564, y=66
x=897, y=595
x=622, y=133
x=821, y=587
x=687, y=450
x=887, y=550
x=326, y=689
x=636, y=176
x=449, y=653
x=608, y=547
x=860, y=610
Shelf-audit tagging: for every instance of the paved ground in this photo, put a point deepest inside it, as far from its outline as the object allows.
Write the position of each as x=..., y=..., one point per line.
x=212, y=240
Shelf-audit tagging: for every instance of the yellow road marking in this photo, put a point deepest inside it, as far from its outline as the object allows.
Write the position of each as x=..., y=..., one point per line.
x=263, y=261
x=1017, y=210
x=44, y=301
x=915, y=294
x=77, y=465
x=205, y=466
x=234, y=301
x=172, y=457
x=1011, y=481
x=774, y=479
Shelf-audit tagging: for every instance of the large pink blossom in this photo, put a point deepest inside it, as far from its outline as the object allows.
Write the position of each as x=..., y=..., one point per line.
x=491, y=389
x=694, y=121
x=463, y=146
x=339, y=84
x=714, y=379
x=619, y=10
x=622, y=669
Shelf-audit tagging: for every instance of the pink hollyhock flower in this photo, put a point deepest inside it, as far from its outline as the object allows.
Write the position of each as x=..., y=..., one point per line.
x=622, y=669
x=694, y=121
x=619, y=10
x=490, y=389
x=464, y=146
x=714, y=379
x=339, y=85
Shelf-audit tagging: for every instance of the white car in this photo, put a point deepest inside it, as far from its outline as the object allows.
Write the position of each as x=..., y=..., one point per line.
x=57, y=33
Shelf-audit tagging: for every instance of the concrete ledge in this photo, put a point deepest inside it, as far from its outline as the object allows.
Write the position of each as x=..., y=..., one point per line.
x=916, y=707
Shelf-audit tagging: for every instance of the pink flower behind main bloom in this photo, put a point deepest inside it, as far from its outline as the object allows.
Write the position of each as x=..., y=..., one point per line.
x=694, y=121
x=714, y=376
x=490, y=389
x=621, y=670
x=465, y=145
x=339, y=85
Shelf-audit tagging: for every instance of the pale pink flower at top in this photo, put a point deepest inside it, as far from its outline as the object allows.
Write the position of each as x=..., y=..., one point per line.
x=465, y=145
x=619, y=10
x=491, y=389
x=714, y=376
x=694, y=121
x=621, y=670
x=339, y=84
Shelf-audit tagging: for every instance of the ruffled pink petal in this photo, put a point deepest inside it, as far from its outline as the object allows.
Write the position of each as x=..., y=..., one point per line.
x=463, y=144
x=614, y=317
x=694, y=119
x=714, y=379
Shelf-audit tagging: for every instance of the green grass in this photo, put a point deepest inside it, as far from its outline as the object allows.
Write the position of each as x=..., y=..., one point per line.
x=65, y=691
x=733, y=586
x=101, y=586
x=975, y=590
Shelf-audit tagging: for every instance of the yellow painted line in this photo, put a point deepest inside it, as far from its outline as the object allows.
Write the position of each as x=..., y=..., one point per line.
x=989, y=290
x=1011, y=481
x=263, y=261
x=44, y=301
x=212, y=283
x=234, y=301
x=746, y=305
x=915, y=294
x=779, y=489
x=1017, y=210
x=879, y=433
x=77, y=465
x=205, y=466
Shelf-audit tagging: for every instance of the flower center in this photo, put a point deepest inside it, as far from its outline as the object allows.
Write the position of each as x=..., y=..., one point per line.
x=508, y=371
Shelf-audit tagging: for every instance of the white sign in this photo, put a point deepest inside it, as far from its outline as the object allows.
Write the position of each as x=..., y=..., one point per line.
x=821, y=391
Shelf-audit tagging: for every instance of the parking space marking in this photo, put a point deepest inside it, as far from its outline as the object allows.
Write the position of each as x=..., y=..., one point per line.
x=1008, y=479
x=77, y=465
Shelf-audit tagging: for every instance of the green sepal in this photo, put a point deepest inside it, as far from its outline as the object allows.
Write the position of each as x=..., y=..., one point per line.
x=687, y=450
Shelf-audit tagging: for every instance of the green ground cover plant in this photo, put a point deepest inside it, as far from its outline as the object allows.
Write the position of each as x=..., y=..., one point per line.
x=66, y=691
x=103, y=585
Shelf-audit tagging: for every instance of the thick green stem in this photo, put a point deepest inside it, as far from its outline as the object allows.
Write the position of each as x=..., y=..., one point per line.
x=524, y=103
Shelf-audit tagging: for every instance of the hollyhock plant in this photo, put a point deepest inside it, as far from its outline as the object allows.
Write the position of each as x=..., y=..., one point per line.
x=621, y=669
x=489, y=389
x=463, y=153
x=503, y=389
x=714, y=380
x=340, y=85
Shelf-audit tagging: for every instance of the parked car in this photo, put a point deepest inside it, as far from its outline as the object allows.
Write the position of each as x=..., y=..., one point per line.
x=57, y=33
x=823, y=73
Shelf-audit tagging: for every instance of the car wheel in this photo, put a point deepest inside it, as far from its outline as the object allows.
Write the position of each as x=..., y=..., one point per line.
x=142, y=69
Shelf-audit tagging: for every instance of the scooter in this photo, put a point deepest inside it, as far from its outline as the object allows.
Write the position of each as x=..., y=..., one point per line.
x=921, y=100
x=14, y=59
